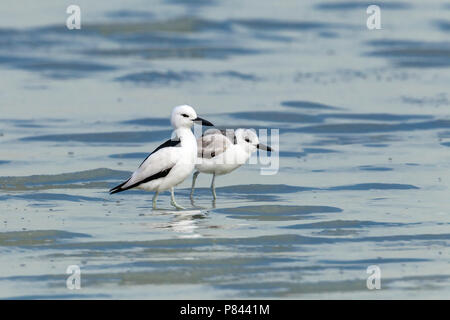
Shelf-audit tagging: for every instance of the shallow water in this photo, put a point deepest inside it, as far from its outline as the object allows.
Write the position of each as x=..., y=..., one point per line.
x=363, y=175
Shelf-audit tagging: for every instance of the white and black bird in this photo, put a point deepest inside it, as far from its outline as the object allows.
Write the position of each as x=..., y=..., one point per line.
x=223, y=151
x=170, y=163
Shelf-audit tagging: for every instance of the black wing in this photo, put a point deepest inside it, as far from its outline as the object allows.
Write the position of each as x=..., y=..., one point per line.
x=167, y=144
x=158, y=175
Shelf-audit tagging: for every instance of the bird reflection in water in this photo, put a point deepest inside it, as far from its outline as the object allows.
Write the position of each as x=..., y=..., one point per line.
x=186, y=223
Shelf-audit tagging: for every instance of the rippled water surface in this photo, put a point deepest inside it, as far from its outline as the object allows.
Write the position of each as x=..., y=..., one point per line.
x=364, y=143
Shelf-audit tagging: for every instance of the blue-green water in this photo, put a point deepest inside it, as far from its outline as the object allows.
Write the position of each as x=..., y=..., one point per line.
x=364, y=149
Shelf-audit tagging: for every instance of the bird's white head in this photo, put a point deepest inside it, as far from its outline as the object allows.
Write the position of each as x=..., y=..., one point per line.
x=248, y=139
x=184, y=116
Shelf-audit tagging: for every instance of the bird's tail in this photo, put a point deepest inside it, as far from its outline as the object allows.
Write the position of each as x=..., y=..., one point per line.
x=118, y=188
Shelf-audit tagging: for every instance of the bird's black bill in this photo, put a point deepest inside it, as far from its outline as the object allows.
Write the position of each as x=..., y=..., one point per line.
x=264, y=147
x=203, y=122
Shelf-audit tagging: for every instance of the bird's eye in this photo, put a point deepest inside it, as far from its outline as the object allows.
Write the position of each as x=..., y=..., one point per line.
x=247, y=140
x=185, y=115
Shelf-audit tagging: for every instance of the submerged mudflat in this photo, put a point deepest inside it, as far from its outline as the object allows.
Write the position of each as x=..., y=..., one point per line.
x=363, y=174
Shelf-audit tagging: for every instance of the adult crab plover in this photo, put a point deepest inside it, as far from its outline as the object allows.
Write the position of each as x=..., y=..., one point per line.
x=170, y=163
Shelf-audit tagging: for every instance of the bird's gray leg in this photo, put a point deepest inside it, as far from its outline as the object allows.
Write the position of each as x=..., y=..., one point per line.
x=213, y=188
x=154, y=199
x=172, y=199
x=194, y=178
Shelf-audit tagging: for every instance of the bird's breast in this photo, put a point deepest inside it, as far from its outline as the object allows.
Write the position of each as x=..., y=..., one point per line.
x=188, y=149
